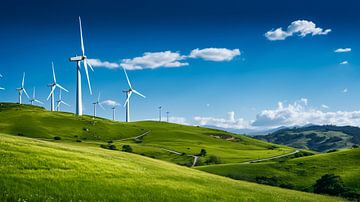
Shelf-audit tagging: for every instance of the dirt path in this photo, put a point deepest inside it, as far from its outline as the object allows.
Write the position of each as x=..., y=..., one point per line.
x=275, y=157
x=136, y=137
x=178, y=153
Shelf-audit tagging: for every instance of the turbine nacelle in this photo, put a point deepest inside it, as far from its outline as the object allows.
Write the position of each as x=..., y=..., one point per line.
x=77, y=58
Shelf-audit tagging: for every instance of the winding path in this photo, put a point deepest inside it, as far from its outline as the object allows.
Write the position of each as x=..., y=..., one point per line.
x=136, y=137
x=178, y=153
x=275, y=157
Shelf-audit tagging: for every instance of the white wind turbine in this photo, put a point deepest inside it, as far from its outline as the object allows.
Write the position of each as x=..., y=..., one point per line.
x=53, y=87
x=33, y=99
x=78, y=60
x=97, y=103
x=1, y=88
x=22, y=89
x=60, y=101
x=128, y=95
x=113, y=108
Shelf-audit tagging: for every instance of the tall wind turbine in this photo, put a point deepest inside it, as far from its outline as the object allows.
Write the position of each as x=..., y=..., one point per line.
x=160, y=113
x=167, y=117
x=78, y=60
x=128, y=95
x=22, y=89
x=60, y=101
x=97, y=103
x=53, y=87
x=33, y=99
x=113, y=108
x=1, y=88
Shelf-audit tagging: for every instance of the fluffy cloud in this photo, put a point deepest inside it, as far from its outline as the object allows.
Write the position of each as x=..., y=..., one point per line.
x=215, y=54
x=110, y=103
x=99, y=63
x=344, y=62
x=342, y=50
x=153, y=60
x=178, y=120
x=230, y=122
x=299, y=113
x=299, y=27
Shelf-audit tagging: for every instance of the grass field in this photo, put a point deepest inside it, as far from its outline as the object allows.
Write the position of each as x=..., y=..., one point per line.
x=36, y=122
x=298, y=173
x=38, y=170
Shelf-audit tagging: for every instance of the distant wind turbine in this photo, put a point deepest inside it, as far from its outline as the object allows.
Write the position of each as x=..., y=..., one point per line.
x=97, y=103
x=60, y=101
x=160, y=113
x=113, y=108
x=128, y=95
x=78, y=60
x=33, y=99
x=22, y=89
x=53, y=87
x=167, y=117
x=1, y=88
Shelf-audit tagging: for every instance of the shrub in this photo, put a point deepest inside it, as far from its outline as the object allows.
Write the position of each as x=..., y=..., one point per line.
x=202, y=152
x=332, y=150
x=330, y=184
x=355, y=146
x=126, y=148
x=273, y=181
x=78, y=141
x=112, y=147
x=110, y=142
x=213, y=160
x=20, y=134
x=57, y=138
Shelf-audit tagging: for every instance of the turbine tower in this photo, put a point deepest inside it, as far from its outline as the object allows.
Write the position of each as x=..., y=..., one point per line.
x=160, y=113
x=33, y=99
x=128, y=95
x=1, y=88
x=113, y=108
x=53, y=87
x=167, y=117
x=22, y=89
x=78, y=60
x=60, y=101
x=97, y=103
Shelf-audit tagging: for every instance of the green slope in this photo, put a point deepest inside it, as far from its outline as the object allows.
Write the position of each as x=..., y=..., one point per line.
x=298, y=173
x=37, y=122
x=37, y=170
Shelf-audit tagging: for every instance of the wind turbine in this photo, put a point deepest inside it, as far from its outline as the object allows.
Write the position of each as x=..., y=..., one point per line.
x=22, y=89
x=78, y=60
x=113, y=108
x=160, y=113
x=53, y=87
x=33, y=99
x=167, y=117
x=97, y=103
x=1, y=88
x=59, y=102
x=128, y=95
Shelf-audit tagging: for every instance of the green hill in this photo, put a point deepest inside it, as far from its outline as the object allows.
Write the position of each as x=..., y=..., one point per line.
x=38, y=170
x=317, y=138
x=36, y=122
x=298, y=173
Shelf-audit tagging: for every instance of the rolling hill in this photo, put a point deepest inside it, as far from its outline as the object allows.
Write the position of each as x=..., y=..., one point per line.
x=317, y=138
x=37, y=170
x=148, y=138
x=297, y=173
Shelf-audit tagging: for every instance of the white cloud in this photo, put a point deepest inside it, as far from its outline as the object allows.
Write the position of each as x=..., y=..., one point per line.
x=299, y=113
x=99, y=63
x=153, y=60
x=342, y=50
x=110, y=103
x=230, y=122
x=178, y=120
x=344, y=62
x=325, y=106
x=215, y=54
x=345, y=90
x=300, y=27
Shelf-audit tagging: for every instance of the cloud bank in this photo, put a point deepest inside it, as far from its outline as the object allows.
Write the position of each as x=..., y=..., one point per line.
x=300, y=27
x=215, y=54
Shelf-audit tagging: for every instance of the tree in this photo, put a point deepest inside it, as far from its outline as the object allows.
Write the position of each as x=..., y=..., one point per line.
x=202, y=152
x=213, y=160
x=330, y=184
x=126, y=148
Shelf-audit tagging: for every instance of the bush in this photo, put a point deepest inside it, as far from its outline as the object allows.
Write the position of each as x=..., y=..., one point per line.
x=213, y=160
x=20, y=134
x=355, y=146
x=332, y=150
x=112, y=147
x=126, y=148
x=57, y=138
x=202, y=152
x=330, y=184
x=110, y=142
x=78, y=141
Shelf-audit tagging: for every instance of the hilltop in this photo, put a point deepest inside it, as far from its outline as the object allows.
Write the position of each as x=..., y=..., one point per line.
x=317, y=138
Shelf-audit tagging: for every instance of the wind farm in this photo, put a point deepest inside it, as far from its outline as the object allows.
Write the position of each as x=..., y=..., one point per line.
x=179, y=101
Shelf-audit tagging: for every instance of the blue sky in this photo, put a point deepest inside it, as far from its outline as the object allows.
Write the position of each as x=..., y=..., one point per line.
x=302, y=72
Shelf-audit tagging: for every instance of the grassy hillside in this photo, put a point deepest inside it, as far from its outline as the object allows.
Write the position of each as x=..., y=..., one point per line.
x=317, y=138
x=36, y=122
x=298, y=173
x=37, y=170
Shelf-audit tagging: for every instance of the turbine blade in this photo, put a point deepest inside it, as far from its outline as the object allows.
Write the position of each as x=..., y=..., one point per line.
x=138, y=93
x=34, y=93
x=58, y=105
x=128, y=99
x=92, y=69
x=102, y=107
x=23, y=80
x=1, y=75
x=98, y=100
x=52, y=65
x=65, y=103
x=62, y=88
x=127, y=78
x=87, y=76
x=52, y=91
x=27, y=95
x=81, y=38
x=38, y=101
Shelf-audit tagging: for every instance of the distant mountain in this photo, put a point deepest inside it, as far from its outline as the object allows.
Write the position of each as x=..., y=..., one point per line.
x=315, y=137
x=246, y=131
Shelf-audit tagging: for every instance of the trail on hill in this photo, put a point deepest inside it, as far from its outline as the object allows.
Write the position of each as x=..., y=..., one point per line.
x=275, y=157
x=136, y=137
x=178, y=153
